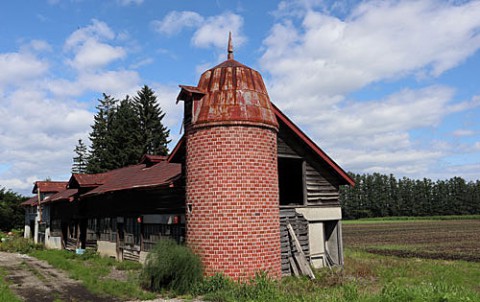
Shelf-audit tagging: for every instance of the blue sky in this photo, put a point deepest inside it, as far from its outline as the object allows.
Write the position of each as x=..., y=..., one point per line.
x=381, y=86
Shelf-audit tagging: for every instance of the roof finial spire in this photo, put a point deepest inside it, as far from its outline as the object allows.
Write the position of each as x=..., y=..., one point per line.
x=230, y=46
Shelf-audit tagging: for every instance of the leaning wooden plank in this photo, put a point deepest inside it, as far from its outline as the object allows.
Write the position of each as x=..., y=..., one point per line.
x=303, y=265
x=300, y=256
x=294, y=267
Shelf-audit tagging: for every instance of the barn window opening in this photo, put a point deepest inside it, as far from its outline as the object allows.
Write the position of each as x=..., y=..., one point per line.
x=290, y=181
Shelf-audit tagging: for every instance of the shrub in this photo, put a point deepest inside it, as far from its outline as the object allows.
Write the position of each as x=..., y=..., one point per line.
x=19, y=245
x=215, y=283
x=220, y=288
x=173, y=267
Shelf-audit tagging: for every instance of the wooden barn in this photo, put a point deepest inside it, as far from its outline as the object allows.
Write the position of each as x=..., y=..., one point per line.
x=244, y=187
x=38, y=213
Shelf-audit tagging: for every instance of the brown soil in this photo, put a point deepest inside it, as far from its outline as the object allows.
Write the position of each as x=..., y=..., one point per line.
x=35, y=280
x=436, y=239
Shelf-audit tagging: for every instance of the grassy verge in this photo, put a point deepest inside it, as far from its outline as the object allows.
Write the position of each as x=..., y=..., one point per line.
x=6, y=294
x=366, y=278
x=409, y=218
x=94, y=273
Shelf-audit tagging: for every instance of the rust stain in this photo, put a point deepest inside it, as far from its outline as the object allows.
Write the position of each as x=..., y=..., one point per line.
x=233, y=93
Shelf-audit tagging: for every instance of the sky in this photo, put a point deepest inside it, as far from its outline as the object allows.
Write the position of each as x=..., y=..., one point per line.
x=380, y=86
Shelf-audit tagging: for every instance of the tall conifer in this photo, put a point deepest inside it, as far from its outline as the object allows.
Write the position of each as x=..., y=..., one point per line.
x=154, y=134
x=126, y=136
x=101, y=141
x=81, y=159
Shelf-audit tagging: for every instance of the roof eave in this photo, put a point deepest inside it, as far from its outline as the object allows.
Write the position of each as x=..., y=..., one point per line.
x=344, y=175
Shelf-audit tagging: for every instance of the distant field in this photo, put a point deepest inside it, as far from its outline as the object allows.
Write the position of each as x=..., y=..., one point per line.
x=433, y=239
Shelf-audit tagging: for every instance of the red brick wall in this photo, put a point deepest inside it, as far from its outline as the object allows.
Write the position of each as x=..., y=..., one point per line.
x=232, y=186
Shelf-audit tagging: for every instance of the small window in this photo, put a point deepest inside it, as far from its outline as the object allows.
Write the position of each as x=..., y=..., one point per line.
x=290, y=181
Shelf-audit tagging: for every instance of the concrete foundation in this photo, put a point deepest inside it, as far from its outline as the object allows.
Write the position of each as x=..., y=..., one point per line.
x=317, y=218
x=107, y=248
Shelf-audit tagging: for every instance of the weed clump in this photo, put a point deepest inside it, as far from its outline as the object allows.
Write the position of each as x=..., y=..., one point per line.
x=172, y=267
x=14, y=244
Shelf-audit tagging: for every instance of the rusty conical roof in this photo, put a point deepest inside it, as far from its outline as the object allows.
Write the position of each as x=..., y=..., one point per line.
x=234, y=94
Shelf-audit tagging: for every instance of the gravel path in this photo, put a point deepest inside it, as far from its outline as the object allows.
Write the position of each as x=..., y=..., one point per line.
x=36, y=280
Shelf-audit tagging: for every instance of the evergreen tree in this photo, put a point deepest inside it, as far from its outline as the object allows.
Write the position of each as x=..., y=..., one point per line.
x=154, y=134
x=12, y=214
x=81, y=159
x=101, y=159
x=123, y=132
x=126, y=146
x=380, y=195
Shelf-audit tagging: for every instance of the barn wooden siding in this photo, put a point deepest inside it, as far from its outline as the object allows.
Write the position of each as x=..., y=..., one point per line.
x=300, y=226
x=317, y=189
x=284, y=150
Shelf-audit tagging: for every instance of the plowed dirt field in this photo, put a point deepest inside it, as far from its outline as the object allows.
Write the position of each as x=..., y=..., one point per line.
x=434, y=239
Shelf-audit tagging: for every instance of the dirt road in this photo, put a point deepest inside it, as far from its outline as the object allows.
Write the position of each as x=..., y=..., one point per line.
x=35, y=280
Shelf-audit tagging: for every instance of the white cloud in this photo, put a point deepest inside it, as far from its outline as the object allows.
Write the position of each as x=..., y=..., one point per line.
x=405, y=110
x=17, y=67
x=214, y=31
x=117, y=83
x=37, y=46
x=41, y=121
x=113, y=82
x=98, y=30
x=166, y=98
x=175, y=21
x=92, y=54
x=89, y=49
x=37, y=136
x=377, y=41
x=209, y=31
x=129, y=2
x=142, y=62
x=315, y=60
x=463, y=132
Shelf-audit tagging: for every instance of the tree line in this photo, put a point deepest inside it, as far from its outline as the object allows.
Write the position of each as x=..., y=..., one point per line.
x=123, y=131
x=12, y=214
x=379, y=195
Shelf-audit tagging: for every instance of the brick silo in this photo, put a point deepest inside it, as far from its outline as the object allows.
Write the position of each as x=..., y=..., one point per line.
x=231, y=172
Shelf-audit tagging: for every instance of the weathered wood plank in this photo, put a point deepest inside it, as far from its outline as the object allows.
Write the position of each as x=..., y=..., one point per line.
x=299, y=255
x=293, y=267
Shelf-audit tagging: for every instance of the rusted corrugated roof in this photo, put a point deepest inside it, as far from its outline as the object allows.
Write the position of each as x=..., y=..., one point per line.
x=87, y=180
x=49, y=186
x=67, y=194
x=139, y=176
x=189, y=92
x=152, y=159
x=234, y=94
x=32, y=201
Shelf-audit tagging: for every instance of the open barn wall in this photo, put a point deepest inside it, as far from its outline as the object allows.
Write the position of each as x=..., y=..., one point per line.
x=126, y=224
x=311, y=189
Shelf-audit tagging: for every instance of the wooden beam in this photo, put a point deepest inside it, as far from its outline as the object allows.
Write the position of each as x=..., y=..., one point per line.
x=293, y=266
x=304, y=182
x=299, y=255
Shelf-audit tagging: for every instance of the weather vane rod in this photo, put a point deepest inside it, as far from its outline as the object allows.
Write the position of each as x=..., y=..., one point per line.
x=230, y=46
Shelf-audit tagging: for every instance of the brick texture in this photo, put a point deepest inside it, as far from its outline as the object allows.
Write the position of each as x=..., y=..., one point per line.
x=232, y=190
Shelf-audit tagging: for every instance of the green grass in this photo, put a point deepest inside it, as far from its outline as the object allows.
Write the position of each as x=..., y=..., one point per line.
x=400, y=279
x=6, y=294
x=410, y=218
x=366, y=278
x=93, y=271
